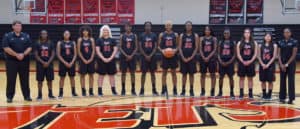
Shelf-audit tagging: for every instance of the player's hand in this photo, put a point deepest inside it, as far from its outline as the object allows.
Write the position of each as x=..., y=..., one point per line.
x=148, y=58
x=69, y=65
x=283, y=68
x=106, y=60
x=205, y=59
x=20, y=56
x=45, y=65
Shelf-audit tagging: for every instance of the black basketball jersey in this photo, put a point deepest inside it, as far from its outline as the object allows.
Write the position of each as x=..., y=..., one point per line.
x=226, y=50
x=168, y=41
x=207, y=45
x=267, y=52
x=148, y=42
x=67, y=50
x=128, y=43
x=44, y=50
x=106, y=46
x=247, y=50
x=86, y=48
x=188, y=44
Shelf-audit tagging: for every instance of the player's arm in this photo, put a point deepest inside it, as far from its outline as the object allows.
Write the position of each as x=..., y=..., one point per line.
x=180, y=47
x=120, y=47
x=259, y=56
x=274, y=55
x=141, y=48
x=136, y=48
x=114, y=53
x=294, y=54
x=37, y=57
x=29, y=48
x=200, y=48
x=159, y=42
x=177, y=42
x=196, y=45
x=75, y=54
x=93, y=50
x=255, y=52
x=58, y=50
x=238, y=52
x=79, y=40
x=51, y=57
x=234, y=55
x=214, y=49
x=98, y=51
x=219, y=55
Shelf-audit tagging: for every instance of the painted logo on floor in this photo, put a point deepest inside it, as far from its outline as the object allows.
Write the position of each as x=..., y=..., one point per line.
x=172, y=113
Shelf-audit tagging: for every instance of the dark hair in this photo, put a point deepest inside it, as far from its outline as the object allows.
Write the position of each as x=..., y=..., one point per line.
x=148, y=22
x=127, y=24
x=211, y=31
x=85, y=28
x=65, y=32
x=289, y=29
x=188, y=22
x=40, y=36
x=269, y=33
x=251, y=40
x=16, y=22
x=226, y=29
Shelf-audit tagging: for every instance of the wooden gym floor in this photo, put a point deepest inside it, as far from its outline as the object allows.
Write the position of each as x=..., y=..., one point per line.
x=146, y=112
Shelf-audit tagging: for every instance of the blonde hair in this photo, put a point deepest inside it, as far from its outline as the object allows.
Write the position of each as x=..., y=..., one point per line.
x=169, y=22
x=105, y=27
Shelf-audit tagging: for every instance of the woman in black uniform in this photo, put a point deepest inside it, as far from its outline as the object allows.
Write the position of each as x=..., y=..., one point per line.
x=267, y=53
x=86, y=54
x=128, y=49
x=226, y=57
x=246, y=54
x=287, y=52
x=66, y=53
x=148, y=47
x=44, y=55
x=208, y=49
x=168, y=39
x=106, y=50
x=188, y=46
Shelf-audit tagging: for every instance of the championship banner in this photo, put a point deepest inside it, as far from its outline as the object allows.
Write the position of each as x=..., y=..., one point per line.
x=90, y=9
x=38, y=14
x=235, y=12
x=108, y=11
x=73, y=11
x=254, y=11
x=217, y=11
x=126, y=11
x=56, y=11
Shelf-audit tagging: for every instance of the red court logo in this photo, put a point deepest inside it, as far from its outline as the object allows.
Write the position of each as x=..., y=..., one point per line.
x=173, y=113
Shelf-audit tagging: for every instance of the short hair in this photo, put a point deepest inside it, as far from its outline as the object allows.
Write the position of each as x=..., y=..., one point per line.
x=16, y=22
x=147, y=22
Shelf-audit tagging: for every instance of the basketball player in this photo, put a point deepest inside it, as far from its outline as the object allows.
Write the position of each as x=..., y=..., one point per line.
x=106, y=49
x=128, y=49
x=86, y=54
x=168, y=39
x=17, y=46
x=148, y=46
x=66, y=53
x=208, y=48
x=246, y=54
x=288, y=48
x=44, y=55
x=266, y=56
x=188, y=46
x=226, y=57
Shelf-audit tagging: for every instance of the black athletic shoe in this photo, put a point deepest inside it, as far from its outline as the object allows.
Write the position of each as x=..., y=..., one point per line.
x=232, y=95
x=202, y=92
x=39, y=98
x=123, y=92
x=290, y=102
x=212, y=92
x=142, y=92
x=182, y=92
x=154, y=92
x=100, y=94
x=174, y=91
x=9, y=100
x=51, y=97
x=113, y=90
x=192, y=93
x=220, y=94
x=133, y=92
x=83, y=92
x=164, y=91
x=91, y=92
x=28, y=99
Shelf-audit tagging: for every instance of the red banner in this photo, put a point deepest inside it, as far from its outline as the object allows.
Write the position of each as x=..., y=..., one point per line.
x=73, y=11
x=126, y=11
x=55, y=11
x=38, y=14
x=254, y=6
x=108, y=9
x=90, y=9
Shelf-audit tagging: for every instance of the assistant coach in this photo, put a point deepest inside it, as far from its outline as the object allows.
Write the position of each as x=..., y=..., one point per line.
x=17, y=46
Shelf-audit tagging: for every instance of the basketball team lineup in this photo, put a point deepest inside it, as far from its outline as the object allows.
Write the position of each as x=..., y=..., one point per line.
x=196, y=74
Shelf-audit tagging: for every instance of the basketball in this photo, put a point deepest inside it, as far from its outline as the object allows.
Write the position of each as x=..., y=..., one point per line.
x=168, y=53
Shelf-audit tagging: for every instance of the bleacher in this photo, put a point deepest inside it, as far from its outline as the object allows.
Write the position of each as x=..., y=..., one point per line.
x=55, y=31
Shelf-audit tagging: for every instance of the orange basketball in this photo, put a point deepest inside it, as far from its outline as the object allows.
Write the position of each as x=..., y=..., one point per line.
x=168, y=53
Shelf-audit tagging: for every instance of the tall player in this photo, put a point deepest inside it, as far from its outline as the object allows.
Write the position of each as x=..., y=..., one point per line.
x=106, y=50
x=168, y=39
x=188, y=47
x=86, y=54
x=128, y=49
x=246, y=54
x=267, y=53
x=208, y=48
x=66, y=53
x=287, y=52
x=148, y=46
x=44, y=55
x=226, y=57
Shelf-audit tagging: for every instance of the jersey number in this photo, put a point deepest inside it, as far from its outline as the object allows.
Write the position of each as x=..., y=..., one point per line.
x=128, y=45
x=68, y=52
x=44, y=53
x=86, y=49
x=226, y=52
x=188, y=45
x=207, y=48
x=247, y=52
x=148, y=44
x=169, y=43
x=106, y=48
x=266, y=56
